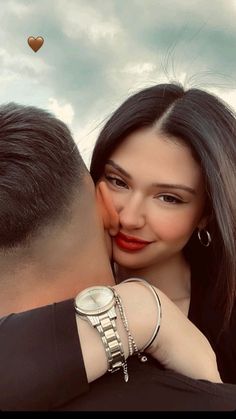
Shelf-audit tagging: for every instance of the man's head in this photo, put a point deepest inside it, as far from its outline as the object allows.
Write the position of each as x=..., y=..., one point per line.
x=40, y=170
x=48, y=217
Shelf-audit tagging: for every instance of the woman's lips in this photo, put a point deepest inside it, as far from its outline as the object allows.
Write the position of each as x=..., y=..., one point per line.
x=130, y=243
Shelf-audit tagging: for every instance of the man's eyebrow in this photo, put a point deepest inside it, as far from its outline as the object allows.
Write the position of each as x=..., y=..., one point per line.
x=159, y=185
x=117, y=167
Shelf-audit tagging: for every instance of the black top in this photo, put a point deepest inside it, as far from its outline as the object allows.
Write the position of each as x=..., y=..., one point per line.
x=42, y=367
x=152, y=389
x=41, y=364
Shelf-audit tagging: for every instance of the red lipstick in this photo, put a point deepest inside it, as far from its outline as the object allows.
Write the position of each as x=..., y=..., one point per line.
x=130, y=243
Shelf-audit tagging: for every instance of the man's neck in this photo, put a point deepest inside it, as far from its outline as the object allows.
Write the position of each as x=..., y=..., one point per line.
x=54, y=275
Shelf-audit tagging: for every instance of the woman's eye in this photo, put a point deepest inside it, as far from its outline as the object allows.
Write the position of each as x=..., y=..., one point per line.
x=115, y=181
x=170, y=199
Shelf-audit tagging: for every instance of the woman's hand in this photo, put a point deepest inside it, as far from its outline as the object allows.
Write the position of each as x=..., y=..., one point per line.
x=180, y=346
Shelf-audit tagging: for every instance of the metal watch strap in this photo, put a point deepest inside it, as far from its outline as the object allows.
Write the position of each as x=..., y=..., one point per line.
x=111, y=341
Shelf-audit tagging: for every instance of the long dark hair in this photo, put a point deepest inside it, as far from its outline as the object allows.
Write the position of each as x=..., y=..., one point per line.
x=208, y=126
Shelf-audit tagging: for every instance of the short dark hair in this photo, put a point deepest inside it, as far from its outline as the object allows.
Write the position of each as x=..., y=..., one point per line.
x=208, y=127
x=40, y=166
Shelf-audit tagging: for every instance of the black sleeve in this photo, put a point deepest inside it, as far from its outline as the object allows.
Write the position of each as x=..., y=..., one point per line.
x=41, y=363
x=152, y=389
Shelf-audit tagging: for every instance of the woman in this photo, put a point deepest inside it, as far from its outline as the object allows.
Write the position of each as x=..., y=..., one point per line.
x=168, y=158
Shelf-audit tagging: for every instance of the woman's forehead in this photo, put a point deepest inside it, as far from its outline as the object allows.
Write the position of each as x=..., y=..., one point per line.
x=153, y=154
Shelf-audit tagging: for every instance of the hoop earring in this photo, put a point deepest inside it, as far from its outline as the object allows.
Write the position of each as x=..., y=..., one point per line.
x=204, y=242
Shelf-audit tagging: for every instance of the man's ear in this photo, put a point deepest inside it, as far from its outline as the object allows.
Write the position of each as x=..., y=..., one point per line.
x=107, y=209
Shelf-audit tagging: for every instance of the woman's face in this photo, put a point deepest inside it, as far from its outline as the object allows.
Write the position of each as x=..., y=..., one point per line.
x=158, y=191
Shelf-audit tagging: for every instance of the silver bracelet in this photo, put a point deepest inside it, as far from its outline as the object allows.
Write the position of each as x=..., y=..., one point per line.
x=158, y=302
x=133, y=349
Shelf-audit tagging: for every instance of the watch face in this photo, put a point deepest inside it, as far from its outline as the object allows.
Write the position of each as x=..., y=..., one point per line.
x=94, y=300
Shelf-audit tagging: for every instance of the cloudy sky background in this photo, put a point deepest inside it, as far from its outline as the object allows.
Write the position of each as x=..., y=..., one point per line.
x=98, y=52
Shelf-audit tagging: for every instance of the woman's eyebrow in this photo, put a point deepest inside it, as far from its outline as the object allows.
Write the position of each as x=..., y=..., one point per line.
x=156, y=185
x=117, y=167
x=175, y=186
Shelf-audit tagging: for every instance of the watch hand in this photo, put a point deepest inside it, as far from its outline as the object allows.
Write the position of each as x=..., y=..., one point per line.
x=93, y=299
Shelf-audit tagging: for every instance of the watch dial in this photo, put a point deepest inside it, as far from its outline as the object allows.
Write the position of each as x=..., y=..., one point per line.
x=94, y=298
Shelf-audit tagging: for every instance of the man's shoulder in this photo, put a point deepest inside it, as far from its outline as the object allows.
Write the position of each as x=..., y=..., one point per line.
x=150, y=388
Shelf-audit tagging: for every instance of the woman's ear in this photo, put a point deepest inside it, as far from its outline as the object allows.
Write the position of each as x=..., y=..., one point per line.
x=203, y=222
x=107, y=209
x=207, y=217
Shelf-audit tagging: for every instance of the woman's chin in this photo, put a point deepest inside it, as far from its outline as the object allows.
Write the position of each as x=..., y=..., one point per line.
x=128, y=260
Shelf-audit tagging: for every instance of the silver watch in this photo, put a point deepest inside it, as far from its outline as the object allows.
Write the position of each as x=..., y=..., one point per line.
x=97, y=306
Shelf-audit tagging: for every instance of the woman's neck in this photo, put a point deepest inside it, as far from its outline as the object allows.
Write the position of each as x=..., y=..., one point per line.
x=172, y=277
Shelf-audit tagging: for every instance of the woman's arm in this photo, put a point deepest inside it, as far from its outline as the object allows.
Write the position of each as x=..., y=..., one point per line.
x=179, y=345
x=41, y=360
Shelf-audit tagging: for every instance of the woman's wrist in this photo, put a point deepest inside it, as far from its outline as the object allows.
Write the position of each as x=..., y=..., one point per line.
x=177, y=344
x=140, y=312
x=182, y=347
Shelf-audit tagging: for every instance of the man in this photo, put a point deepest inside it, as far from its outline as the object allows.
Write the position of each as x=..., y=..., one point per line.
x=51, y=247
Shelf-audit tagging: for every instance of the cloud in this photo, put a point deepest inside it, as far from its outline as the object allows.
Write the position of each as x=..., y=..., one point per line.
x=229, y=96
x=82, y=19
x=139, y=68
x=85, y=137
x=21, y=63
x=64, y=112
x=19, y=9
x=96, y=53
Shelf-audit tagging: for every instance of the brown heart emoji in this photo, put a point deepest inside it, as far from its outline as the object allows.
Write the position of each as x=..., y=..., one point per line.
x=35, y=43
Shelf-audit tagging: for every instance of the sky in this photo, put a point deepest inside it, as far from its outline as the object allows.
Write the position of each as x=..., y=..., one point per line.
x=96, y=53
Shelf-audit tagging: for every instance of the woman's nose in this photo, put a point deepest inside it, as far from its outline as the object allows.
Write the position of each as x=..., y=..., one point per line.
x=132, y=214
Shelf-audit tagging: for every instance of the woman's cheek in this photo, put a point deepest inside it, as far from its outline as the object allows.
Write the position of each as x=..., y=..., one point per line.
x=169, y=228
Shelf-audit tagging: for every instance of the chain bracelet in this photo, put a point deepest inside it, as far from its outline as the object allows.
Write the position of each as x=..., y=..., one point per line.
x=133, y=349
x=159, y=309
